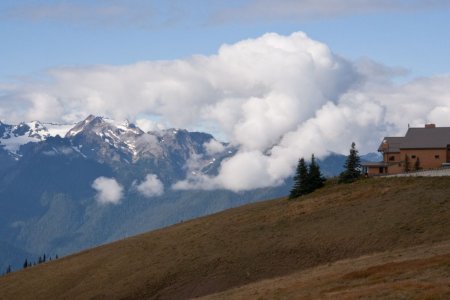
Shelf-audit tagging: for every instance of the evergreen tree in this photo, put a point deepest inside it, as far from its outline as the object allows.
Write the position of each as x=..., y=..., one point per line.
x=307, y=178
x=25, y=264
x=406, y=166
x=417, y=166
x=9, y=269
x=300, y=180
x=352, y=167
x=315, y=178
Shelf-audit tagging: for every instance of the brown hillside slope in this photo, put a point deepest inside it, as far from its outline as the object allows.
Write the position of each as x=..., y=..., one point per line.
x=248, y=244
x=421, y=272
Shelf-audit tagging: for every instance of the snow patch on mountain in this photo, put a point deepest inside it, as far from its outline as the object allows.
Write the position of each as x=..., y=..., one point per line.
x=13, y=144
x=14, y=136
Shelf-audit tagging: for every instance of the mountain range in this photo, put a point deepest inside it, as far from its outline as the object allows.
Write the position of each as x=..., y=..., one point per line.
x=67, y=187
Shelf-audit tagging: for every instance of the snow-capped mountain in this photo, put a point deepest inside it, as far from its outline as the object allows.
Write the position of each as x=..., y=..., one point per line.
x=123, y=137
x=105, y=139
x=112, y=142
x=174, y=152
x=14, y=136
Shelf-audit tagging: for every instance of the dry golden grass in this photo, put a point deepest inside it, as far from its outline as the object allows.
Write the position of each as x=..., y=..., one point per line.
x=421, y=272
x=263, y=241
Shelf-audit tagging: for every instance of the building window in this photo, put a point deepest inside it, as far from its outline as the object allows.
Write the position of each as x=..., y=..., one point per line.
x=391, y=158
x=381, y=170
x=436, y=156
x=413, y=156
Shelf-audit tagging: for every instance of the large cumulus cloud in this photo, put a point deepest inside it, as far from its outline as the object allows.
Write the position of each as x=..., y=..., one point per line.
x=276, y=97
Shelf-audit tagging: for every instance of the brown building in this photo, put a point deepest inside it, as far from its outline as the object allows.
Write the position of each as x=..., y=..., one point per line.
x=421, y=148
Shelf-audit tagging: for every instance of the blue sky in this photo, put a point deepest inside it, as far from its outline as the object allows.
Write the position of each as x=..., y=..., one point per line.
x=38, y=35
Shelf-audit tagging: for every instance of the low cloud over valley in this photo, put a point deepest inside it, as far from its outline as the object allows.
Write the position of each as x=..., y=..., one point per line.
x=109, y=191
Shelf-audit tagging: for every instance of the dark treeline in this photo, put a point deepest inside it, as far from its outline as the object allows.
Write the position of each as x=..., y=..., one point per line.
x=29, y=263
x=41, y=259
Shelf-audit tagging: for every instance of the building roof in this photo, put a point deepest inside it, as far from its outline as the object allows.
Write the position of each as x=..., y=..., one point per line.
x=391, y=144
x=419, y=138
x=429, y=137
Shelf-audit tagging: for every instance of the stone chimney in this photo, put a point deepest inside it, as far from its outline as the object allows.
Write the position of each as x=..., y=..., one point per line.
x=430, y=125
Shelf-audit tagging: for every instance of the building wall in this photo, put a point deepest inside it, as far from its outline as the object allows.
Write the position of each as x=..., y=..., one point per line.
x=394, y=161
x=372, y=171
x=429, y=159
x=392, y=157
x=397, y=167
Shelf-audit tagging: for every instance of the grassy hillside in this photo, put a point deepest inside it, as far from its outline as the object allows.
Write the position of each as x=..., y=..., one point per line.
x=420, y=272
x=262, y=241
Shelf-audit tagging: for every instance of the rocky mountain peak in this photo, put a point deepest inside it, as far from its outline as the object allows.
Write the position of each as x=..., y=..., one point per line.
x=108, y=141
x=103, y=126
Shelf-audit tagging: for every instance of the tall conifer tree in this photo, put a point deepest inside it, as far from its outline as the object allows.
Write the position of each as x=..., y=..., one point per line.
x=352, y=166
x=315, y=178
x=300, y=180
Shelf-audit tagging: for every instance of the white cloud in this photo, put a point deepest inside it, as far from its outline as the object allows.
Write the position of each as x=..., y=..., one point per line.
x=42, y=105
x=222, y=88
x=149, y=125
x=108, y=190
x=213, y=147
x=276, y=97
x=150, y=187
